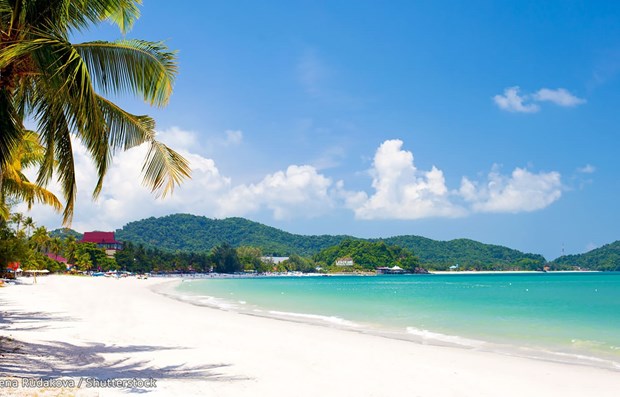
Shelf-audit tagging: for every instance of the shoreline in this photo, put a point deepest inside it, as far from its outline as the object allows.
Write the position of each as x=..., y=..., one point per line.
x=76, y=326
x=408, y=334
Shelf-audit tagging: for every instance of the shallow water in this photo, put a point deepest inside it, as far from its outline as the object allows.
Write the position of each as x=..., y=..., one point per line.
x=559, y=316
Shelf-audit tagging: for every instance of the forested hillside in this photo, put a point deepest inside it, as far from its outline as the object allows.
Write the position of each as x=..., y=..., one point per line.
x=190, y=233
x=183, y=232
x=605, y=258
x=367, y=255
x=467, y=254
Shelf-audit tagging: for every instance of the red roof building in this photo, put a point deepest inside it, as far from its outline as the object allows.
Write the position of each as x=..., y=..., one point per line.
x=56, y=257
x=105, y=240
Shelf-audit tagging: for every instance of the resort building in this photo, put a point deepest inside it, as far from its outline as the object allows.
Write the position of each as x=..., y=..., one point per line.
x=60, y=259
x=344, y=262
x=390, y=270
x=105, y=240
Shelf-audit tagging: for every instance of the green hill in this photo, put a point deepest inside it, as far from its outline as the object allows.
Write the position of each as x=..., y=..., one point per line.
x=367, y=255
x=183, y=232
x=65, y=232
x=467, y=254
x=606, y=258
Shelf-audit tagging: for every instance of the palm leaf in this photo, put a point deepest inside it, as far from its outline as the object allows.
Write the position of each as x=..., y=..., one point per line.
x=10, y=128
x=30, y=192
x=125, y=130
x=131, y=66
x=163, y=169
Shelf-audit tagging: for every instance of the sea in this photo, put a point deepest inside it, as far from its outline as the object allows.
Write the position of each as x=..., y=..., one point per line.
x=565, y=317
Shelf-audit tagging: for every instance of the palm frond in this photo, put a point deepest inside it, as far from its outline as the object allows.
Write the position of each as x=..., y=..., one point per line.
x=29, y=193
x=55, y=134
x=66, y=97
x=10, y=128
x=125, y=14
x=126, y=130
x=163, y=169
x=135, y=67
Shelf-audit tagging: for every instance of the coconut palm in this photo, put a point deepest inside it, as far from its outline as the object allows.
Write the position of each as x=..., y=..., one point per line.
x=29, y=225
x=55, y=245
x=69, y=247
x=40, y=239
x=60, y=86
x=18, y=219
x=15, y=186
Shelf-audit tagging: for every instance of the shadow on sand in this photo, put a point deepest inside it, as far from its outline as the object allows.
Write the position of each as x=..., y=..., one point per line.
x=95, y=360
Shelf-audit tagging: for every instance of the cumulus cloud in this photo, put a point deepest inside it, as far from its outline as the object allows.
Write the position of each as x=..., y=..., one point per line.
x=401, y=190
x=513, y=102
x=123, y=197
x=298, y=191
x=522, y=191
x=560, y=97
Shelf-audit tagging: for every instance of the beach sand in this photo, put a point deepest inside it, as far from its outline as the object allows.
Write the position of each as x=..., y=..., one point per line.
x=100, y=328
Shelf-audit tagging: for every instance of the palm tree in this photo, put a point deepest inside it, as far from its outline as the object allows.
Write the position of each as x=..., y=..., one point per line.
x=16, y=186
x=40, y=239
x=70, y=245
x=17, y=218
x=29, y=225
x=58, y=85
x=55, y=245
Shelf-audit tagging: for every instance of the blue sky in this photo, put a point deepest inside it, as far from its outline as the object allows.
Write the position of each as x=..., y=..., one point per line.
x=491, y=120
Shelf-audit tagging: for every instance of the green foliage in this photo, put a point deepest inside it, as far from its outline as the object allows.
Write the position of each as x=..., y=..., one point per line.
x=91, y=257
x=64, y=232
x=367, y=255
x=225, y=259
x=192, y=233
x=468, y=254
x=250, y=258
x=138, y=259
x=12, y=247
x=296, y=263
x=605, y=258
x=57, y=86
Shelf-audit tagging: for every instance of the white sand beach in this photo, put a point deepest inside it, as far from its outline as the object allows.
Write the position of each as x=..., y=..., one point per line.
x=99, y=328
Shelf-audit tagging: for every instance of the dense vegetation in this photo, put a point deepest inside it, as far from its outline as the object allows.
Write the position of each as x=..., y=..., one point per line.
x=605, y=258
x=23, y=242
x=367, y=256
x=189, y=233
x=191, y=243
x=468, y=254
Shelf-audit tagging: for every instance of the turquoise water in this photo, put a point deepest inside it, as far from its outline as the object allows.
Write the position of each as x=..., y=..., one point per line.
x=568, y=315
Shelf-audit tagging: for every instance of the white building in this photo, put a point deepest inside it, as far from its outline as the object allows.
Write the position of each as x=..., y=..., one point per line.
x=344, y=262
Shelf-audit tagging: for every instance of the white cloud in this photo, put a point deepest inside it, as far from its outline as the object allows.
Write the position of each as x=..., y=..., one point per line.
x=123, y=197
x=179, y=139
x=513, y=102
x=297, y=192
x=560, y=97
x=587, y=169
x=523, y=191
x=402, y=191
